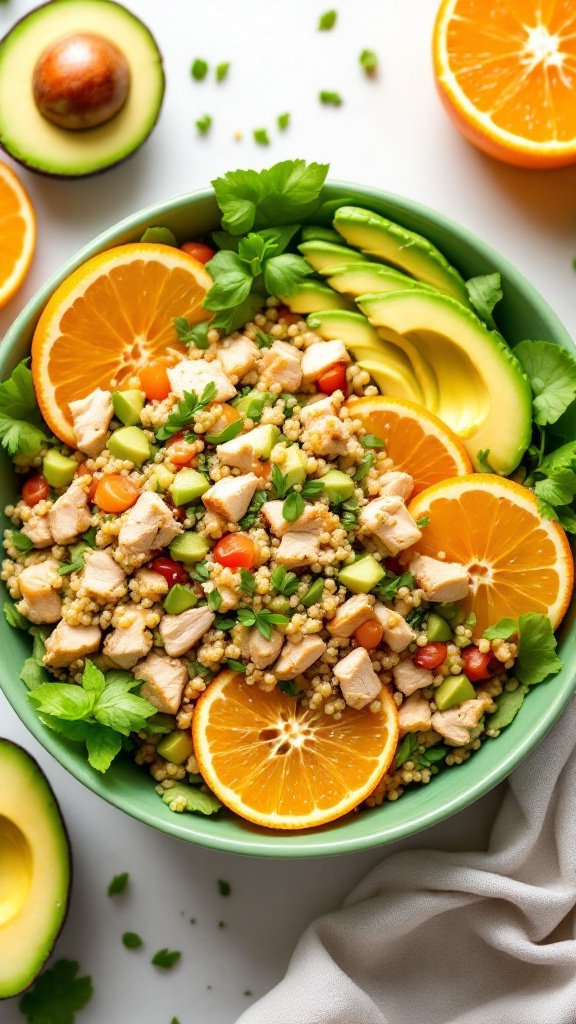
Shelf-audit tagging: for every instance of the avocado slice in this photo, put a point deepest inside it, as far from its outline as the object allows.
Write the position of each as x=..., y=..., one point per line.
x=482, y=393
x=35, y=873
x=47, y=148
x=315, y=295
x=128, y=405
x=58, y=469
x=362, y=575
x=362, y=278
x=314, y=232
x=383, y=240
x=325, y=257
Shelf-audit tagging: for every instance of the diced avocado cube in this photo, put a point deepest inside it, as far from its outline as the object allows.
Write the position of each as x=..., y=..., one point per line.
x=362, y=575
x=129, y=443
x=127, y=406
x=314, y=594
x=176, y=746
x=454, y=690
x=447, y=609
x=294, y=466
x=437, y=629
x=58, y=469
x=337, y=485
x=253, y=404
x=187, y=485
x=162, y=478
x=179, y=599
x=263, y=439
x=189, y=547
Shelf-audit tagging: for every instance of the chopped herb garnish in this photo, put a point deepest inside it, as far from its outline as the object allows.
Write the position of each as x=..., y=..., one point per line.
x=332, y=99
x=214, y=600
x=349, y=513
x=421, y=523
x=261, y=136
x=199, y=69
x=13, y=617
x=196, y=334
x=416, y=617
x=371, y=441
x=195, y=668
x=229, y=432
x=327, y=21
x=57, y=995
x=315, y=592
x=236, y=666
x=483, y=463
x=293, y=506
x=185, y=412
x=21, y=541
x=247, y=583
x=283, y=120
x=390, y=585
x=260, y=498
x=200, y=572
x=224, y=888
x=288, y=686
x=131, y=940
x=284, y=582
x=21, y=424
x=118, y=884
x=369, y=61
x=204, y=125
x=264, y=621
x=263, y=340
x=222, y=70
x=365, y=466
x=225, y=623
x=166, y=958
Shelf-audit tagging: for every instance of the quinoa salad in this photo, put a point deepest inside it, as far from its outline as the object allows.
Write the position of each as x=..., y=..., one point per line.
x=226, y=511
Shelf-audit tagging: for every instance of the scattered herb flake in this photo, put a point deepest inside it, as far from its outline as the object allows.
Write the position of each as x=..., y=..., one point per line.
x=118, y=884
x=222, y=70
x=236, y=666
x=214, y=600
x=371, y=441
x=199, y=69
x=263, y=340
x=332, y=99
x=289, y=687
x=166, y=958
x=421, y=523
x=131, y=940
x=369, y=61
x=365, y=466
x=327, y=21
x=204, y=124
x=284, y=582
x=224, y=888
x=229, y=432
x=247, y=582
x=261, y=136
x=21, y=541
x=283, y=120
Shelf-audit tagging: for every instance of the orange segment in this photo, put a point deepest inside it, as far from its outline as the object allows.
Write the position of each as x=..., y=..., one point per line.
x=17, y=233
x=109, y=318
x=417, y=441
x=518, y=562
x=282, y=765
x=505, y=72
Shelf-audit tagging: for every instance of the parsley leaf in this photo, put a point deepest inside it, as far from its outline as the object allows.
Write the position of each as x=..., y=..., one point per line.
x=552, y=375
x=204, y=124
x=247, y=582
x=281, y=194
x=57, y=995
x=222, y=70
x=260, y=498
x=131, y=940
x=164, y=958
x=264, y=621
x=118, y=884
x=232, y=281
x=388, y=587
x=285, y=583
x=200, y=572
x=199, y=69
x=284, y=274
x=369, y=61
x=21, y=425
x=537, y=656
x=327, y=21
x=283, y=120
x=261, y=136
x=214, y=600
x=185, y=411
x=501, y=630
x=196, y=334
x=21, y=541
x=484, y=293
x=332, y=99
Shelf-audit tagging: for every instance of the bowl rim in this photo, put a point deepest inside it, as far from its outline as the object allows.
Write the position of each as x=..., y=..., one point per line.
x=318, y=843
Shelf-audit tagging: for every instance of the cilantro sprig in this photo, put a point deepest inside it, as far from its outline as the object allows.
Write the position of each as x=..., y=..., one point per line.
x=264, y=621
x=388, y=587
x=57, y=995
x=185, y=412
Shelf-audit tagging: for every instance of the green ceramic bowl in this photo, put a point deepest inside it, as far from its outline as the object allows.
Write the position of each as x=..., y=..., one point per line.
x=522, y=313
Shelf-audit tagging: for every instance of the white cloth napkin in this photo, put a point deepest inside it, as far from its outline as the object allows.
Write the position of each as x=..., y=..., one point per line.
x=455, y=938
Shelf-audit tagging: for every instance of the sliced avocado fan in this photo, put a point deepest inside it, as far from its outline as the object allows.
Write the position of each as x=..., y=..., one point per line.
x=363, y=278
x=325, y=256
x=312, y=295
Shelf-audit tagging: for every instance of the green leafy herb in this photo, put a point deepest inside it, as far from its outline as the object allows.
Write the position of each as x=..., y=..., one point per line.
x=288, y=686
x=407, y=748
x=282, y=194
x=484, y=293
x=192, y=334
x=264, y=621
x=553, y=479
x=371, y=441
x=261, y=136
x=284, y=582
x=279, y=481
x=194, y=800
x=284, y=274
x=365, y=466
x=195, y=668
x=314, y=594
x=118, y=884
x=34, y=672
x=551, y=371
x=388, y=587
x=537, y=656
x=431, y=755
x=260, y=498
x=21, y=541
x=13, y=617
x=204, y=124
x=232, y=430
x=470, y=621
x=199, y=69
x=501, y=630
x=421, y=523
x=483, y=463
x=369, y=61
x=410, y=750
x=416, y=617
x=232, y=280
x=166, y=958
x=158, y=234
x=200, y=572
x=224, y=622
x=222, y=70
x=327, y=21
x=508, y=704
x=349, y=512
x=263, y=341
x=57, y=995
x=21, y=425
x=131, y=940
x=332, y=99
x=293, y=506
x=224, y=888
x=185, y=412
x=283, y=120
x=247, y=582
x=236, y=666
x=214, y=600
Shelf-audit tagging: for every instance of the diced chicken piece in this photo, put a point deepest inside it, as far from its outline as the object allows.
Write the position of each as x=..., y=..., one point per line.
x=230, y=497
x=148, y=524
x=102, y=577
x=440, y=581
x=131, y=641
x=91, y=417
x=414, y=715
x=239, y=357
x=238, y=453
x=296, y=658
x=298, y=549
x=68, y=643
x=397, y=633
x=320, y=357
x=263, y=652
x=456, y=724
x=151, y=585
x=318, y=406
x=326, y=436
x=409, y=678
x=281, y=365
x=312, y=519
x=390, y=521
x=180, y=632
x=358, y=681
x=195, y=374
x=396, y=485
x=38, y=530
x=69, y=515
x=40, y=602
x=164, y=681
x=350, y=615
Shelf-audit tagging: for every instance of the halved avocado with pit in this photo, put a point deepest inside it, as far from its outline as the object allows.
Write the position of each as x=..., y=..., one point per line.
x=34, y=869
x=39, y=144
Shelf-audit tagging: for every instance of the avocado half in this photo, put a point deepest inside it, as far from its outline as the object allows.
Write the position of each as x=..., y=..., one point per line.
x=35, y=869
x=45, y=147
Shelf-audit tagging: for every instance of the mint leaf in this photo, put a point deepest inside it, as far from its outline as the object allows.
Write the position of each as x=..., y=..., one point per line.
x=254, y=249
x=21, y=425
x=232, y=319
x=501, y=630
x=284, y=582
x=508, y=704
x=232, y=281
x=93, y=679
x=121, y=711
x=327, y=21
x=214, y=600
x=293, y=507
x=57, y=995
x=63, y=700
x=484, y=293
x=552, y=375
x=34, y=673
x=199, y=69
x=74, y=731
x=102, y=744
x=281, y=194
x=247, y=582
x=537, y=656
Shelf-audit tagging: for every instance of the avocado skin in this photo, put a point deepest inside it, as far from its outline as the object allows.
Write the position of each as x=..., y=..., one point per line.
x=67, y=851
x=116, y=163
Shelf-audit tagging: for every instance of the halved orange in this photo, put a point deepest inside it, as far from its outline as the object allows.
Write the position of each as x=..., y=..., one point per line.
x=417, y=441
x=17, y=233
x=505, y=71
x=518, y=562
x=113, y=315
x=285, y=766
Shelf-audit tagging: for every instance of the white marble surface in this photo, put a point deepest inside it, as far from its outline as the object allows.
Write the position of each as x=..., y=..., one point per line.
x=391, y=133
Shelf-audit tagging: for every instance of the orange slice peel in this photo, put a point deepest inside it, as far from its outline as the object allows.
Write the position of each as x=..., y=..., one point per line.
x=17, y=233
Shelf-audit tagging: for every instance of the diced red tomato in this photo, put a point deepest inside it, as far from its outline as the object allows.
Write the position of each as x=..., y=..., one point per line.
x=154, y=380
x=173, y=572
x=235, y=551
x=430, y=656
x=202, y=253
x=369, y=634
x=35, y=489
x=333, y=379
x=478, y=666
x=286, y=314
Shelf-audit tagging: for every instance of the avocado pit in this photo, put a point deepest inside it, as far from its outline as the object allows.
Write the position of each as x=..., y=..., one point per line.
x=81, y=81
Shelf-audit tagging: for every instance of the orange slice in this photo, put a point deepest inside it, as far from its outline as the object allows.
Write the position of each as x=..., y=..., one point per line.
x=518, y=562
x=113, y=315
x=505, y=72
x=417, y=441
x=17, y=233
x=285, y=766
